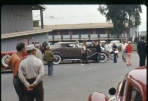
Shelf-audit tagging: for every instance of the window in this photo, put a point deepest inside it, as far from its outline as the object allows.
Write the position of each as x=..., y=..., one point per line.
x=66, y=46
x=134, y=94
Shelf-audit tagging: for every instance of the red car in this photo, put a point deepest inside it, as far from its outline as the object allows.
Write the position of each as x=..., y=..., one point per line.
x=132, y=88
x=5, y=56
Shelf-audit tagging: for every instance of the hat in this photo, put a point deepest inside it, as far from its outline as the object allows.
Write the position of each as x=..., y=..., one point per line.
x=129, y=41
x=30, y=47
x=47, y=47
x=37, y=45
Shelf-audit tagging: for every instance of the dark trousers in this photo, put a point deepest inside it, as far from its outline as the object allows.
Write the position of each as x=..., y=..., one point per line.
x=98, y=57
x=142, y=59
x=19, y=88
x=84, y=58
x=115, y=58
x=50, y=68
x=37, y=93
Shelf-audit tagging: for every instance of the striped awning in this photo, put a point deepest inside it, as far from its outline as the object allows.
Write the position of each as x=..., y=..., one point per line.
x=24, y=33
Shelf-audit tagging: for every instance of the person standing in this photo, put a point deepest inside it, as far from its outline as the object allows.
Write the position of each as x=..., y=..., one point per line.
x=49, y=59
x=114, y=47
x=123, y=45
x=108, y=48
x=141, y=50
x=77, y=44
x=14, y=63
x=84, y=55
x=31, y=73
x=129, y=50
x=39, y=54
x=98, y=49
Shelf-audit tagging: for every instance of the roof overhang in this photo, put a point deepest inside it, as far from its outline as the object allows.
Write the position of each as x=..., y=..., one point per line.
x=24, y=33
x=38, y=7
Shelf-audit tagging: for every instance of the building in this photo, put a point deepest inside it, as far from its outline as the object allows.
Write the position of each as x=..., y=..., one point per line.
x=17, y=25
x=84, y=31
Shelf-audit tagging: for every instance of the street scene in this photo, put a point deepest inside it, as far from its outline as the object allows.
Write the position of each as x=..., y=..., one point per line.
x=73, y=52
x=71, y=82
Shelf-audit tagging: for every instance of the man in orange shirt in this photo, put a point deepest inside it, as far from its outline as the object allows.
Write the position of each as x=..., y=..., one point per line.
x=14, y=63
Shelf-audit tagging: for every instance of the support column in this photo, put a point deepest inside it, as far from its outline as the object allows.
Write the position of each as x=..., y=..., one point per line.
x=41, y=15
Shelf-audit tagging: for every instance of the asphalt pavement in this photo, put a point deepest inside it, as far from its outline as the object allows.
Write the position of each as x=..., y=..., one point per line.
x=74, y=82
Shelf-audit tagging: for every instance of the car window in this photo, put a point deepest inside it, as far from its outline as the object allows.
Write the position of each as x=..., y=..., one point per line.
x=135, y=94
x=66, y=46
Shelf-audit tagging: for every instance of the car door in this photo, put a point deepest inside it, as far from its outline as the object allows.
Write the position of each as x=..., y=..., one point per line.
x=75, y=52
x=64, y=50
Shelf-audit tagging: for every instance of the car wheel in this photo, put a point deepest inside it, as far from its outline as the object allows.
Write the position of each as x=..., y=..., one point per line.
x=58, y=59
x=5, y=60
x=103, y=57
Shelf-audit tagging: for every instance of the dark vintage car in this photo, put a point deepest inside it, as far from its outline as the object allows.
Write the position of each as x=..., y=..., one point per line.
x=132, y=88
x=65, y=51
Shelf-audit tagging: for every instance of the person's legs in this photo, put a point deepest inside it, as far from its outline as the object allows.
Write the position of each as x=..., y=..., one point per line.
x=86, y=61
x=51, y=68
x=39, y=92
x=125, y=56
x=115, y=58
x=83, y=58
x=143, y=57
x=127, y=59
x=48, y=68
x=140, y=61
x=130, y=59
x=19, y=88
x=29, y=95
x=98, y=58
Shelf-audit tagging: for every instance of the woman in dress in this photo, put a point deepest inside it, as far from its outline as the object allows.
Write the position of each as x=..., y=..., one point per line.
x=129, y=50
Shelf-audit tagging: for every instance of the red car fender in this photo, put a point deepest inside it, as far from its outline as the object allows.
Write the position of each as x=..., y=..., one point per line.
x=97, y=96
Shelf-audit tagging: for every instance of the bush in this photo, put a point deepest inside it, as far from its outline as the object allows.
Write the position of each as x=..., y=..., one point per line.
x=134, y=45
x=119, y=48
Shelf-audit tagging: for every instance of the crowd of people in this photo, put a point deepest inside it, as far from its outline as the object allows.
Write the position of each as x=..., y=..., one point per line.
x=28, y=72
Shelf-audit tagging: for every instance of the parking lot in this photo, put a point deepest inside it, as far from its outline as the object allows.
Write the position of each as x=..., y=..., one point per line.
x=74, y=82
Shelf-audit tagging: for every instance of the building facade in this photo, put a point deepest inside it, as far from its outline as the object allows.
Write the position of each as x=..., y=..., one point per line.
x=17, y=26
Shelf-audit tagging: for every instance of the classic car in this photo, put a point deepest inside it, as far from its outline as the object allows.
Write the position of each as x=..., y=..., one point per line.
x=5, y=56
x=132, y=88
x=65, y=51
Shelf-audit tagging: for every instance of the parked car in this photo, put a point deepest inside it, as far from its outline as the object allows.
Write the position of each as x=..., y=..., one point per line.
x=5, y=56
x=132, y=88
x=65, y=51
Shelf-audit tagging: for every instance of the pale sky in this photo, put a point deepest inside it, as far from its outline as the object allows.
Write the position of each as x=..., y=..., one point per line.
x=74, y=14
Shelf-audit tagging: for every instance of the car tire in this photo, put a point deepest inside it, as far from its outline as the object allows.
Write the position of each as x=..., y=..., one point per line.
x=103, y=57
x=5, y=60
x=58, y=59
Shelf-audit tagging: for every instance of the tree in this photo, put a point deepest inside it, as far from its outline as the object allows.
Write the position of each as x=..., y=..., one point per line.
x=119, y=15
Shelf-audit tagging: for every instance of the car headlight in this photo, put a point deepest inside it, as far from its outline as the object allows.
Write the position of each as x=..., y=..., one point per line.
x=112, y=99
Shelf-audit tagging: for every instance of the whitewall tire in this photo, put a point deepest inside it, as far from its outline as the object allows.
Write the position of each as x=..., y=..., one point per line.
x=5, y=60
x=58, y=59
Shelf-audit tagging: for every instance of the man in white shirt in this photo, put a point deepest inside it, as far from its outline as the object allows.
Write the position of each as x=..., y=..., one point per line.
x=39, y=54
x=108, y=49
x=31, y=72
x=123, y=45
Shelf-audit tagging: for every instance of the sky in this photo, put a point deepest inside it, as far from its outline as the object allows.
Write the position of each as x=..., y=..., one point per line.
x=74, y=14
